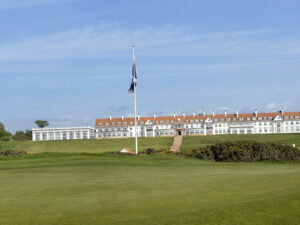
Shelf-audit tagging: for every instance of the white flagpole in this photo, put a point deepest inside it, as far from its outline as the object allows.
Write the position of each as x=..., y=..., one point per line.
x=135, y=122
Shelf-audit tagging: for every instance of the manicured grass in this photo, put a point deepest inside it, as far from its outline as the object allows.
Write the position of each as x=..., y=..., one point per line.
x=104, y=145
x=70, y=189
x=193, y=142
x=95, y=146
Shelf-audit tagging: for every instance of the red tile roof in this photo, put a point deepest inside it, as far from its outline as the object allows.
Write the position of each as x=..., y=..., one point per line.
x=201, y=118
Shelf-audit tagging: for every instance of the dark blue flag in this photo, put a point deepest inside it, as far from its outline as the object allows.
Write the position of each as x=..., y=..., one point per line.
x=134, y=77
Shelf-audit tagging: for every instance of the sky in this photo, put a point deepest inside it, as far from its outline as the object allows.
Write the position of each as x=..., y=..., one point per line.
x=69, y=61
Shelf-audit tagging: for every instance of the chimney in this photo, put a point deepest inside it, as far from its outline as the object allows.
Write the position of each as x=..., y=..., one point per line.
x=154, y=116
x=110, y=118
x=138, y=116
x=174, y=115
x=203, y=113
x=183, y=114
x=256, y=113
x=194, y=115
x=281, y=111
x=237, y=114
x=122, y=117
x=225, y=113
x=213, y=114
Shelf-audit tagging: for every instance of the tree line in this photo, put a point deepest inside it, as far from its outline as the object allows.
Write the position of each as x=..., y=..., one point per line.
x=20, y=135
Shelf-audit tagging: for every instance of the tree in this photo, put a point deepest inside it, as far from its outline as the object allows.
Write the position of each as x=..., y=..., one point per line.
x=23, y=136
x=4, y=134
x=42, y=123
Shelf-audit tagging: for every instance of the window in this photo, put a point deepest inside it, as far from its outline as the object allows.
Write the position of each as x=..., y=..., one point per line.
x=57, y=136
x=106, y=124
x=270, y=117
x=265, y=118
x=241, y=119
x=196, y=121
x=37, y=136
x=64, y=135
x=296, y=117
x=228, y=119
x=124, y=123
x=100, y=124
x=119, y=123
x=253, y=118
x=259, y=118
x=248, y=118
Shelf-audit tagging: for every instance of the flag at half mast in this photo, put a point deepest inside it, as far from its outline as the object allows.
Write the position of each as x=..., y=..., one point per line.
x=134, y=77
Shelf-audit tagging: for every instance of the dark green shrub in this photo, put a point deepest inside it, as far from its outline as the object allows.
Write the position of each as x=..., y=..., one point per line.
x=246, y=151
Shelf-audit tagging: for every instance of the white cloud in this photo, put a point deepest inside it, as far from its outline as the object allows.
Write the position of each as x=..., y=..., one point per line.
x=241, y=48
x=277, y=106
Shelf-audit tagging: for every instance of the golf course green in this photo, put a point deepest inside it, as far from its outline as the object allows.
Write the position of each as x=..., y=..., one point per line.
x=77, y=189
x=77, y=183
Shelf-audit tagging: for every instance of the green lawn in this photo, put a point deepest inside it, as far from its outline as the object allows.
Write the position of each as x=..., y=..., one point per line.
x=91, y=190
x=98, y=146
x=192, y=142
x=94, y=146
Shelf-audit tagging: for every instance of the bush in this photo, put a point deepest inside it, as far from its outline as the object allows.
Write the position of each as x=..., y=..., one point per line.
x=203, y=153
x=247, y=151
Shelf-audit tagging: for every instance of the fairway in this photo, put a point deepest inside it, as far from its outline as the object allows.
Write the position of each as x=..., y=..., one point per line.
x=159, y=189
x=158, y=143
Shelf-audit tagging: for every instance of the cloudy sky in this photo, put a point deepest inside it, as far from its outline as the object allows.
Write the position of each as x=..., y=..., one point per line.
x=69, y=61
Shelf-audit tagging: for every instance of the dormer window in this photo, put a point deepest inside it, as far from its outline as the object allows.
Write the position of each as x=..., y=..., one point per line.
x=241, y=119
x=296, y=117
x=270, y=117
x=228, y=119
x=100, y=124
x=286, y=117
x=248, y=118
x=259, y=118
x=196, y=121
x=253, y=118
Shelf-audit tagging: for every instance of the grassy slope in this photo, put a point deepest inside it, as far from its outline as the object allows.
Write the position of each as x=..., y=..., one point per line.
x=147, y=190
x=189, y=142
x=192, y=142
x=96, y=146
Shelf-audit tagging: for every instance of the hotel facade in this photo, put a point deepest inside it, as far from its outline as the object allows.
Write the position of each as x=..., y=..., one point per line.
x=201, y=124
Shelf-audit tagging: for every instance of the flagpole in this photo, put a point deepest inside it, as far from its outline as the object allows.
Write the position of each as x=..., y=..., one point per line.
x=135, y=122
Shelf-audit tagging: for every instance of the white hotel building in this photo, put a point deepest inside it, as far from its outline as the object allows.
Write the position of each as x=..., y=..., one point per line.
x=202, y=124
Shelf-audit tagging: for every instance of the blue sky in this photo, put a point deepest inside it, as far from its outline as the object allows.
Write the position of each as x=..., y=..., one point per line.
x=69, y=61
